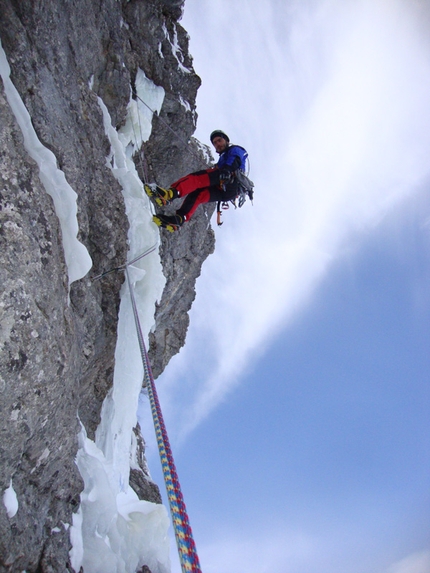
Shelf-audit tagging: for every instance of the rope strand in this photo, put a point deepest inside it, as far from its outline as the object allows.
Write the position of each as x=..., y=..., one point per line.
x=184, y=538
x=122, y=267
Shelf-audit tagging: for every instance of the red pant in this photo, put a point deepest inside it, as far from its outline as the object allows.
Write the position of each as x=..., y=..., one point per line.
x=203, y=187
x=196, y=187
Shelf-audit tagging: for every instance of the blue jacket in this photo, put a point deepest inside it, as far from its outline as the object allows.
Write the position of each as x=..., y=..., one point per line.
x=234, y=157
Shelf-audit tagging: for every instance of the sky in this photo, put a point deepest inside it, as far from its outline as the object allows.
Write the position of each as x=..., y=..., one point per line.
x=298, y=409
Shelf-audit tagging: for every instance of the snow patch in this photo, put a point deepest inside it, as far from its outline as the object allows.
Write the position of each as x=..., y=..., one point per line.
x=10, y=501
x=205, y=151
x=185, y=104
x=77, y=258
x=14, y=414
x=176, y=49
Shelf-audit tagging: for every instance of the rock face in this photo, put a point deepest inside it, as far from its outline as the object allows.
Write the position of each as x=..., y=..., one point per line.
x=56, y=354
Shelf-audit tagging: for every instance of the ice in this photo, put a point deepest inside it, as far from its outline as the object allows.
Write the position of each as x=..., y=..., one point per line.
x=118, y=532
x=76, y=540
x=114, y=531
x=77, y=257
x=10, y=501
x=137, y=127
x=118, y=417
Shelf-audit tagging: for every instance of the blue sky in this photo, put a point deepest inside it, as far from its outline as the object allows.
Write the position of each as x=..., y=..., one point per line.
x=298, y=410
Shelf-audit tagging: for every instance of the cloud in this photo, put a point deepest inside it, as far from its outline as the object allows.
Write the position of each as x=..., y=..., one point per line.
x=274, y=548
x=272, y=552
x=358, y=81
x=416, y=563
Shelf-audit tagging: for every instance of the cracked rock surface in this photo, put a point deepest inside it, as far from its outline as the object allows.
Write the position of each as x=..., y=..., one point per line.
x=57, y=348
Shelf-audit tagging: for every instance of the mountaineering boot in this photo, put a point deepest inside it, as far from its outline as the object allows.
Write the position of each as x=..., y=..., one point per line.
x=171, y=223
x=159, y=195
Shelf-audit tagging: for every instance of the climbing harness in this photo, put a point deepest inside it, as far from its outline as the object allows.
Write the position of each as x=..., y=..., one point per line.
x=246, y=189
x=184, y=537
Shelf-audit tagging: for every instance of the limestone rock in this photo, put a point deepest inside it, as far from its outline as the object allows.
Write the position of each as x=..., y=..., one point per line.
x=56, y=354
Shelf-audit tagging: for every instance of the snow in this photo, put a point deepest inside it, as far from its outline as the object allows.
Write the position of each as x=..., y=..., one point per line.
x=10, y=501
x=176, y=50
x=114, y=531
x=184, y=104
x=205, y=151
x=78, y=260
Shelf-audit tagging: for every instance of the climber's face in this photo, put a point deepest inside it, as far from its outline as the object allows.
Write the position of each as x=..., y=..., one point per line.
x=220, y=144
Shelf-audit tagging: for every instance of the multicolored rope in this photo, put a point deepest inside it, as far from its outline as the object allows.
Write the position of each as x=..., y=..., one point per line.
x=184, y=537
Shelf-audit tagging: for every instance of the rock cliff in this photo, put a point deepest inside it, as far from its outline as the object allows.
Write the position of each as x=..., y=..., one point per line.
x=56, y=347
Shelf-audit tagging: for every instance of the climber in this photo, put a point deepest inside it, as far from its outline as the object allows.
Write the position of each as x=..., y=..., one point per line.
x=216, y=184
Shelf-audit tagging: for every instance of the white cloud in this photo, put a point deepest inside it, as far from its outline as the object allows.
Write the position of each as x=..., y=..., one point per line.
x=269, y=552
x=358, y=146
x=416, y=563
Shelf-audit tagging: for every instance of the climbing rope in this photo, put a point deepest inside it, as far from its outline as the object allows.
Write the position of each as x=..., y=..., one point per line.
x=123, y=267
x=184, y=537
